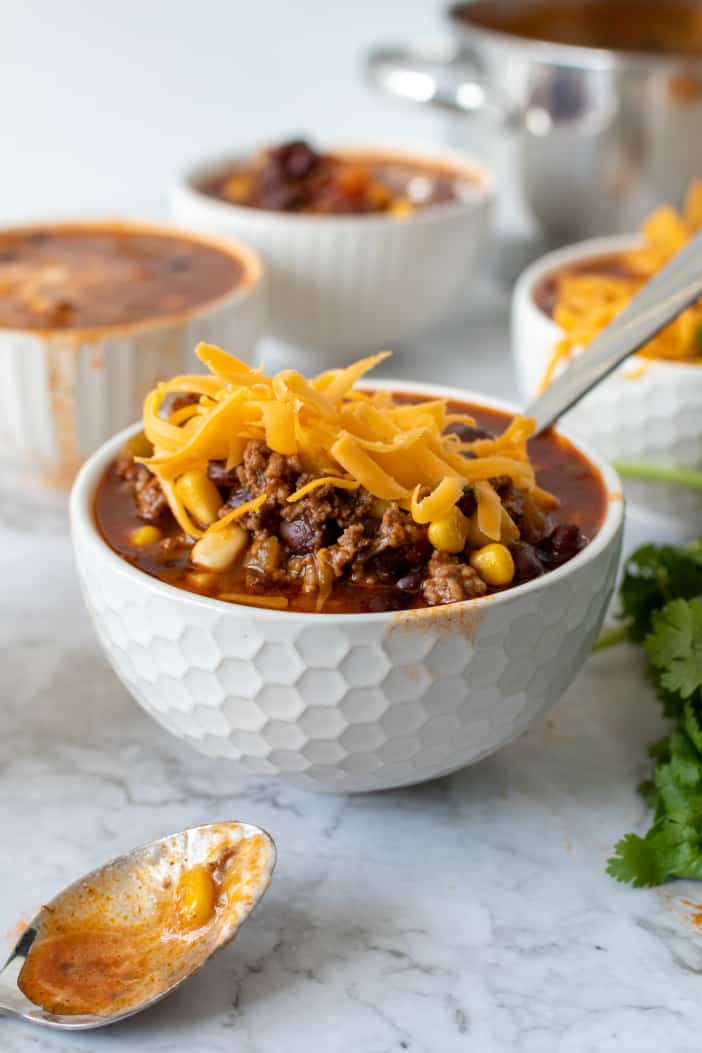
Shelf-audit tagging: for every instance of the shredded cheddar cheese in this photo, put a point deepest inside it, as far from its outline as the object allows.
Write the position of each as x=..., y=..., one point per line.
x=344, y=437
x=587, y=302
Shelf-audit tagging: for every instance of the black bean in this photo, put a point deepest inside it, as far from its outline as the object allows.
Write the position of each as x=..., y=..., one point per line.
x=411, y=582
x=238, y=497
x=304, y=535
x=297, y=159
x=468, y=503
x=468, y=433
x=389, y=565
x=526, y=562
x=419, y=551
x=217, y=472
x=564, y=542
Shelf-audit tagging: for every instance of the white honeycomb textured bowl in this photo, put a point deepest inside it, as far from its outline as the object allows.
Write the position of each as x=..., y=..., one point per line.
x=338, y=286
x=64, y=393
x=646, y=411
x=345, y=702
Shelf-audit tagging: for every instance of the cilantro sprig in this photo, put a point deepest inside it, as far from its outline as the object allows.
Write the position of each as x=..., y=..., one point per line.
x=661, y=598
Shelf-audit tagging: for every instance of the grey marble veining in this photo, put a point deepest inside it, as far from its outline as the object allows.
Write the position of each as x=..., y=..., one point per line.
x=471, y=914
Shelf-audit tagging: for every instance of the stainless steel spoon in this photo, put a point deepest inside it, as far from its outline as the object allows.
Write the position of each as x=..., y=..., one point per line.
x=134, y=895
x=673, y=289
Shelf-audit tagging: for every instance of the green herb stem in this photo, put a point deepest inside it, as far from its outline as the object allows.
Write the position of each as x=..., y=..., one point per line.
x=687, y=477
x=612, y=637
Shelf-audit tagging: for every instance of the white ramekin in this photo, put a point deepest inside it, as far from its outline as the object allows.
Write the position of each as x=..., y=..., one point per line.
x=345, y=702
x=647, y=411
x=344, y=285
x=65, y=393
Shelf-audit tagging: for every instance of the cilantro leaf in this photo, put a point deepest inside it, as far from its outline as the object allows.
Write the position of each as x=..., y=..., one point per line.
x=655, y=575
x=669, y=850
x=661, y=597
x=635, y=860
x=674, y=646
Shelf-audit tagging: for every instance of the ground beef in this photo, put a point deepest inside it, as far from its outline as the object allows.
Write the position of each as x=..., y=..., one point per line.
x=126, y=468
x=325, y=503
x=263, y=565
x=264, y=471
x=350, y=545
x=149, y=498
x=348, y=535
x=450, y=580
x=395, y=527
x=302, y=571
x=173, y=544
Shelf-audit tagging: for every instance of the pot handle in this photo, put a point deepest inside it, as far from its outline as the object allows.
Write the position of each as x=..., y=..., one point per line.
x=445, y=77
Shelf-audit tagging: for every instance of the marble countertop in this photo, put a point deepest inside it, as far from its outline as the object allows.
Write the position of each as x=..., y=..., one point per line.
x=470, y=914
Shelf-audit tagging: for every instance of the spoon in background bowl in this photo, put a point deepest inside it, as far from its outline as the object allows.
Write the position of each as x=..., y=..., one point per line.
x=661, y=300
x=127, y=934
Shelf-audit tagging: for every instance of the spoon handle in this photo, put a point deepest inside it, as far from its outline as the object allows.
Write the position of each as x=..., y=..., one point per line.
x=660, y=301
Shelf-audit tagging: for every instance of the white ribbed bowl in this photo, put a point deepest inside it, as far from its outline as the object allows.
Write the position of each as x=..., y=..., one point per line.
x=65, y=393
x=345, y=285
x=345, y=702
x=647, y=411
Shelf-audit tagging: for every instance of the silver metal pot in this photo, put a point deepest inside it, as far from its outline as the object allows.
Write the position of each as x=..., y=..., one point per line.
x=593, y=138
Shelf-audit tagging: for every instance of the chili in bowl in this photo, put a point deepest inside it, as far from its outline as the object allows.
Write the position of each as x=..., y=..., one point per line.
x=350, y=237
x=392, y=599
x=92, y=314
x=648, y=412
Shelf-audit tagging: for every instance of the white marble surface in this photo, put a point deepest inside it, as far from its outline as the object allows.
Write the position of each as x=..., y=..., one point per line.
x=472, y=914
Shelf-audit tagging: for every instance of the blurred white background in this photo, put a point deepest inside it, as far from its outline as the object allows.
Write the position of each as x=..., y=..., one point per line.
x=102, y=103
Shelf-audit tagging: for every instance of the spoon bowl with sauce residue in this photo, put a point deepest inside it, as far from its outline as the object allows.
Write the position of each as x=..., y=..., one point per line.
x=124, y=936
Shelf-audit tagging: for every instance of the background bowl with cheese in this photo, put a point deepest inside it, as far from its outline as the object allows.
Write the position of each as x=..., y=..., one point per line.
x=649, y=411
x=92, y=314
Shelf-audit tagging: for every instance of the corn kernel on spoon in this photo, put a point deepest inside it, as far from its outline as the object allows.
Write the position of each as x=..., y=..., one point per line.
x=127, y=934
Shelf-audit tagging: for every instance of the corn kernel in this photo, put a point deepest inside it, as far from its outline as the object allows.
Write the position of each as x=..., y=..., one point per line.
x=195, y=897
x=449, y=534
x=401, y=207
x=218, y=550
x=494, y=564
x=138, y=446
x=202, y=581
x=199, y=495
x=144, y=536
x=378, y=195
x=238, y=187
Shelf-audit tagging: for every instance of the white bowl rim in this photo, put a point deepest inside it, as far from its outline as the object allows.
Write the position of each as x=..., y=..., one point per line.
x=85, y=486
x=244, y=254
x=475, y=170
x=580, y=250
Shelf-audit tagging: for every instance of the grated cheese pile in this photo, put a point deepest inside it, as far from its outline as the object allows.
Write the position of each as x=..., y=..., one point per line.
x=343, y=436
x=587, y=302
